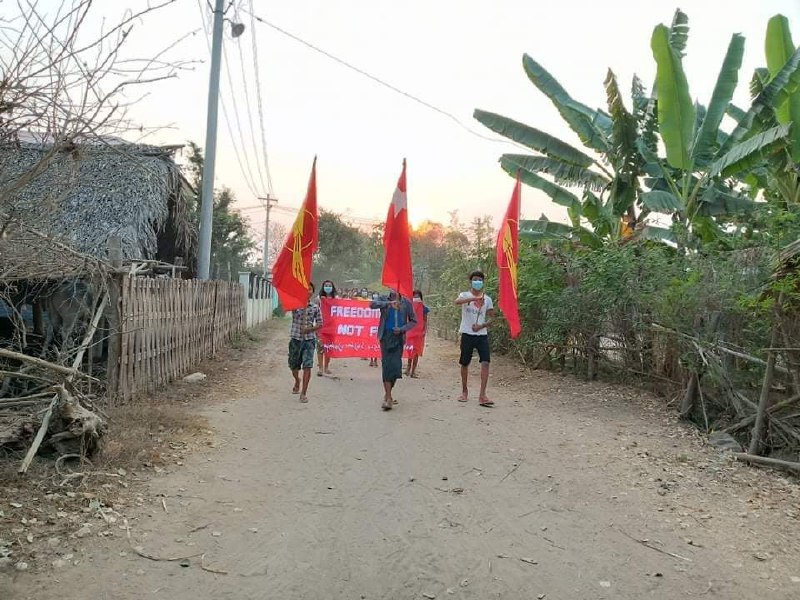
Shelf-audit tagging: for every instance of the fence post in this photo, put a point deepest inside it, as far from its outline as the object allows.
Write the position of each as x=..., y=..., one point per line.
x=114, y=319
x=244, y=281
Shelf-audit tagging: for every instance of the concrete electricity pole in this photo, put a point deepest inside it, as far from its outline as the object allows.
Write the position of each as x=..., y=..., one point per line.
x=269, y=201
x=207, y=206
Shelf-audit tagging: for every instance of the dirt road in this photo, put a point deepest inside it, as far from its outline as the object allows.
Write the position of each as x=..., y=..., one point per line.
x=565, y=490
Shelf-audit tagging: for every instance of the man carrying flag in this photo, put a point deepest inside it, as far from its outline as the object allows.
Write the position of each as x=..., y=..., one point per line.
x=397, y=313
x=507, y=261
x=291, y=277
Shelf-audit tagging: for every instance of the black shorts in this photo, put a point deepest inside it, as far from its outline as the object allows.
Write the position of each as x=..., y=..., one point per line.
x=469, y=343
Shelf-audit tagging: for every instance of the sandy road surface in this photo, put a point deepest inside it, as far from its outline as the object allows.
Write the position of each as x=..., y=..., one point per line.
x=565, y=490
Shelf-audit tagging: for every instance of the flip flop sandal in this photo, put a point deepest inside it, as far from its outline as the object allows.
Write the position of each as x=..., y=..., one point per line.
x=463, y=399
x=295, y=392
x=386, y=406
x=488, y=404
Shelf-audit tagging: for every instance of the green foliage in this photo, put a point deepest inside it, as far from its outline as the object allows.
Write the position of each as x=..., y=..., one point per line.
x=231, y=244
x=676, y=113
x=341, y=252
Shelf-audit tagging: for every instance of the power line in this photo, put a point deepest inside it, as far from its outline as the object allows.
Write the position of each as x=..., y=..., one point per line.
x=225, y=112
x=259, y=168
x=380, y=81
x=239, y=121
x=260, y=107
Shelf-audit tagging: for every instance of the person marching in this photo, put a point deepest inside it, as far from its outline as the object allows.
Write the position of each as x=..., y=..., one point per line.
x=411, y=367
x=373, y=360
x=323, y=360
x=397, y=317
x=303, y=337
x=477, y=312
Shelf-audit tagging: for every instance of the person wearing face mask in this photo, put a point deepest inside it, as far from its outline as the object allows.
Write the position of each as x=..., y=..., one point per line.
x=323, y=360
x=411, y=367
x=477, y=312
x=397, y=317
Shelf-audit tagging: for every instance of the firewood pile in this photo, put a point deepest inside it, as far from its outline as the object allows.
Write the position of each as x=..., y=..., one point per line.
x=53, y=413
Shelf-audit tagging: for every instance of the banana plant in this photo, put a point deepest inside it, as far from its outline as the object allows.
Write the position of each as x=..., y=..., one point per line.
x=620, y=172
x=778, y=177
x=701, y=177
x=606, y=172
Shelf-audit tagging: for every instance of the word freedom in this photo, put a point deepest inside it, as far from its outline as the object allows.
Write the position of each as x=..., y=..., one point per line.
x=350, y=329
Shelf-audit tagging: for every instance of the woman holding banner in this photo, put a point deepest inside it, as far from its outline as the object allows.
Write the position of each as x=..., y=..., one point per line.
x=397, y=317
x=323, y=360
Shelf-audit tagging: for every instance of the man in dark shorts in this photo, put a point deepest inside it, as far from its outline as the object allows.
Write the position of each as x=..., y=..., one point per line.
x=303, y=344
x=477, y=312
x=397, y=317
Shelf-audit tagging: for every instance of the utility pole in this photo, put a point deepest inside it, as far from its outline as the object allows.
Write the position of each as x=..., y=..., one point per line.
x=269, y=200
x=207, y=207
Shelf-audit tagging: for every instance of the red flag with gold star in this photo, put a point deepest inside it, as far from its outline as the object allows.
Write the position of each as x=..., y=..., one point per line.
x=291, y=275
x=507, y=262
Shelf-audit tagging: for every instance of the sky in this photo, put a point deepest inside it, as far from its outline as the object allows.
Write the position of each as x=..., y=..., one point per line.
x=456, y=55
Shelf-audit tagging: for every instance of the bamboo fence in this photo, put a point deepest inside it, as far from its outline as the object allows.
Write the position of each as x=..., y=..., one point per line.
x=165, y=328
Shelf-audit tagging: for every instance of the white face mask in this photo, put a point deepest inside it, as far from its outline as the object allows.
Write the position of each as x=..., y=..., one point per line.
x=417, y=299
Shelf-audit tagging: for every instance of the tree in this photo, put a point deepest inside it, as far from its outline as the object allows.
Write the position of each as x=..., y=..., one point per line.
x=699, y=183
x=231, y=244
x=341, y=249
x=428, y=253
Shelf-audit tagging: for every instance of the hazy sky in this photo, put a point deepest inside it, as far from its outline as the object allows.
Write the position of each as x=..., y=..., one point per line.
x=454, y=54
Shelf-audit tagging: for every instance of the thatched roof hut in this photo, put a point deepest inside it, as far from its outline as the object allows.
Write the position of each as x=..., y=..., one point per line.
x=83, y=195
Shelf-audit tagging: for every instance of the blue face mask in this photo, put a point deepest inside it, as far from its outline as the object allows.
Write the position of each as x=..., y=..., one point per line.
x=328, y=289
x=477, y=284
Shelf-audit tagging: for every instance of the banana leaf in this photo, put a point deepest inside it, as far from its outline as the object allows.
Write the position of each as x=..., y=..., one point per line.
x=563, y=172
x=735, y=113
x=557, y=194
x=675, y=109
x=776, y=91
x=679, y=32
x=750, y=153
x=715, y=202
x=533, y=138
x=626, y=157
x=779, y=48
x=543, y=229
x=590, y=126
x=645, y=111
x=657, y=234
x=662, y=202
x=706, y=143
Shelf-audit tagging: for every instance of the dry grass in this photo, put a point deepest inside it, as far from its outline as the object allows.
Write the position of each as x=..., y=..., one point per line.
x=142, y=434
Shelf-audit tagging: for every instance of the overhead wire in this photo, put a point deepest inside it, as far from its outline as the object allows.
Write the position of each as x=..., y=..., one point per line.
x=252, y=138
x=249, y=184
x=239, y=121
x=381, y=82
x=253, y=37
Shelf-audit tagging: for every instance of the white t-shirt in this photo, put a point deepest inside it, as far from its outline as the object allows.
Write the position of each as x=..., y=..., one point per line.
x=471, y=314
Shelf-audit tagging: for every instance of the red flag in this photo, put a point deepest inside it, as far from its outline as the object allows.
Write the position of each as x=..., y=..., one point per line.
x=397, y=242
x=291, y=274
x=507, y=261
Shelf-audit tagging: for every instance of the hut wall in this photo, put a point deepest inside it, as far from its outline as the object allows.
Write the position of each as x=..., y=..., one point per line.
x=166, y=327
